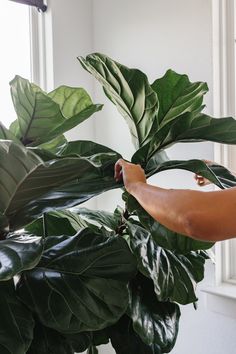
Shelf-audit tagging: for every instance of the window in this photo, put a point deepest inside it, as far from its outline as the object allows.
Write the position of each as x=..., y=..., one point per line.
x=26, y=50
x=224, y=82
x=15, y=52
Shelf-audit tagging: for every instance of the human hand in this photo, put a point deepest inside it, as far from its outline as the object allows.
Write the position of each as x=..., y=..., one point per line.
x=131, y=174
x=202, y=181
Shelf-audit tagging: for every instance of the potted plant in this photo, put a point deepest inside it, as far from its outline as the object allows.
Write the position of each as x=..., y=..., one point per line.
x=74, y=278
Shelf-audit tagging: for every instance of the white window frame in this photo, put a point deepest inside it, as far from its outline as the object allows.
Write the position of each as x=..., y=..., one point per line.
x=41, y=46
x=221, y=297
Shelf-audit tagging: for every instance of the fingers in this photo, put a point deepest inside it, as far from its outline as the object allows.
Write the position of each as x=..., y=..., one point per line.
x=118, y=170
x=201, y=181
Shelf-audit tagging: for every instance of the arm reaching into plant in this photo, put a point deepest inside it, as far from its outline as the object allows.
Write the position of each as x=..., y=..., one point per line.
x=208, y=216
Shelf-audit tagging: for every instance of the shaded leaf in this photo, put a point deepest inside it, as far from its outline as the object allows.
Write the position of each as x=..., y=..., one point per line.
x=85, y=276
x=19, y=252
x=57, y=223
x=125, y=340
x=226, y=178
x=174, y=276
x=16, y=325
x=48, y=341
x=81, y=341
x=129, y=90
x=155, y=322
x=31, y=186
x=92, y=350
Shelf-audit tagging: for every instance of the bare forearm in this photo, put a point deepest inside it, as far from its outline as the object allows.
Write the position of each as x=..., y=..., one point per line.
x=200, y=215
x=170, y=207
x=208, y=216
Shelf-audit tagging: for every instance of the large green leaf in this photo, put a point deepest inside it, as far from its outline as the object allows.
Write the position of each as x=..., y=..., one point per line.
x=16, y=326
x=129, y=90
x=125, y=340
x=57, y=223
x=155, y=322
x=84, y=276
x=30, y=185
x=189, y=127
x=195, y=166
x=164, y=237
x=19, y=252
x=42, y=117
x=226, y=177
x=85, y=148
x=174, y=275
x=177, y=95
x=101, y=217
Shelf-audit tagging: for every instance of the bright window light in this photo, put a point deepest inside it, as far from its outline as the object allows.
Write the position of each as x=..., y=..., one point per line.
x=15, y=53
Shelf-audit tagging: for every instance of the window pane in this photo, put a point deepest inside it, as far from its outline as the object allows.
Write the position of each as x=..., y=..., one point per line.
x=15, y=52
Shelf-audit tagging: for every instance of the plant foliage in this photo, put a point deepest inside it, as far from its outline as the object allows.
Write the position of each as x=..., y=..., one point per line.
x=73, y=278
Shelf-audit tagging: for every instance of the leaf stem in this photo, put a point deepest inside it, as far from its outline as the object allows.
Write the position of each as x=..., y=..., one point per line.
x=45, y=231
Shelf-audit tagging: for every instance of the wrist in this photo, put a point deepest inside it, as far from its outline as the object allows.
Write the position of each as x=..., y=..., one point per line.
x=133, y=187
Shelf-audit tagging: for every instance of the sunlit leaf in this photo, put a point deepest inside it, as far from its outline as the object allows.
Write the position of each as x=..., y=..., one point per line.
x=129, y=90
x=42, y=117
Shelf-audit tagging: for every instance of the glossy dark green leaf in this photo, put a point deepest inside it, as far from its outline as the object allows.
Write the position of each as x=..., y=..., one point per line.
x=195, y=166
x=19, y=252
x=85, y=276
x=189, y=127
x=31, y=186
x=155, y=322
x=226, y=178
x=177, y=95
x=57, y=223
x=42, y=117
x=164, y=237
x=48, y=341
x=101, y=217
x=16, y=325
x=174, y=276
x=66, y=196
x=85, y=148
x=129, y=90
x=125, y=340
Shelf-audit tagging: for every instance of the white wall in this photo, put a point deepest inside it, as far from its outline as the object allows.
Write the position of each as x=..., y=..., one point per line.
x=72, y=36
x=153, y=35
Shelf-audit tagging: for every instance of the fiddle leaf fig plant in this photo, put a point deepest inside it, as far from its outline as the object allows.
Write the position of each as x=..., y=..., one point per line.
x=72, y=278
